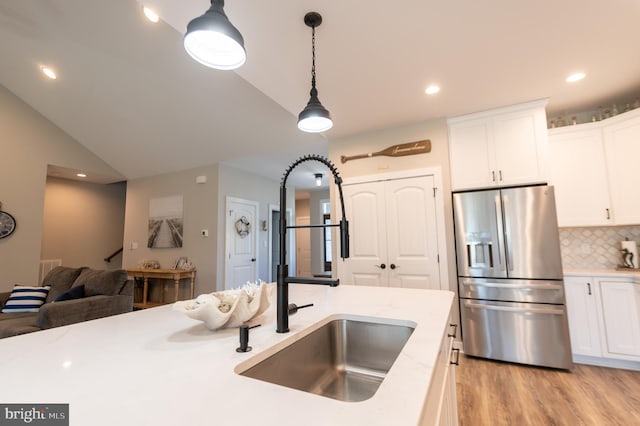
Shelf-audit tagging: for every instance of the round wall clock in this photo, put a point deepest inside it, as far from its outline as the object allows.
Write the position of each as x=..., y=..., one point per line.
x=7, y=224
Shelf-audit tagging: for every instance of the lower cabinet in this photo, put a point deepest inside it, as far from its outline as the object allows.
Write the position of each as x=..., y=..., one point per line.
x=582, y=312
x=441, y=407
x=604, y=319
x=621, y=312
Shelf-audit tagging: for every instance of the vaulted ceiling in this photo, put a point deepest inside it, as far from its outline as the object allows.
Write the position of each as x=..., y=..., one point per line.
x=128, y=91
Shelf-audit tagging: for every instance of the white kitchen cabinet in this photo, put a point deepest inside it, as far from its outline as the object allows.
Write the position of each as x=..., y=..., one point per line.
x=622, y=148
x=576, y=165
x=604, y=319
x=443, y=401
x=582, y=312
x=594, y=168
x=505, y=146
x=621, y=314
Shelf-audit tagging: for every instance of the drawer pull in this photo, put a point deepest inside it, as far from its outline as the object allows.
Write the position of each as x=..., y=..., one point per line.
x=457, y=357
x=455, y=330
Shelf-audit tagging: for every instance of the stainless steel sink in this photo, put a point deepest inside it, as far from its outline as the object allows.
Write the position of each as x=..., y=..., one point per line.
x=344, y=359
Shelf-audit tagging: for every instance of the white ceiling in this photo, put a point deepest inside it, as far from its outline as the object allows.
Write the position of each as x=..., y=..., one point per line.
x=128, y=91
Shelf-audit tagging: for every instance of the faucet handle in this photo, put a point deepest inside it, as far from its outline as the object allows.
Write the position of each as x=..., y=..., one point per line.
x=293, y=308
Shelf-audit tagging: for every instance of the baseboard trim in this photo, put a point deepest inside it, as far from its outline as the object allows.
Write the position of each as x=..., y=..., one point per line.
x=607, y=362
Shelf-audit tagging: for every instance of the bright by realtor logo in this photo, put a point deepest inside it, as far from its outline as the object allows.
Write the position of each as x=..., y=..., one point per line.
x=34, y=414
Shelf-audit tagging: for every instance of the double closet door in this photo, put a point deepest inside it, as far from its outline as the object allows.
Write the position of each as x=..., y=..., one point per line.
x=393, y=234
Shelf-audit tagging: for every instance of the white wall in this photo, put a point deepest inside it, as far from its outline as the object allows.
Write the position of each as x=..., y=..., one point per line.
x=28, y=143
x=83, y=223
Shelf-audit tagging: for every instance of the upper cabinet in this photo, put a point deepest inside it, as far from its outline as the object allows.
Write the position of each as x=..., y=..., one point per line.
x=594, y=168
x=501, y=147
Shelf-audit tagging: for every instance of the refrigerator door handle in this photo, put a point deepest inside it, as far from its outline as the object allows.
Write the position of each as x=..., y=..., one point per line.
x=507, y=232
x=498, y=207
x=520, y=310
x=510, y=285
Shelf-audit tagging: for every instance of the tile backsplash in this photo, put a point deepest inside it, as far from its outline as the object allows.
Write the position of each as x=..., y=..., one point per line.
x=595, y=248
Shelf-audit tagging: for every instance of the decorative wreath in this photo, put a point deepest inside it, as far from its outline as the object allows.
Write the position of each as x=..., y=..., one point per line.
x=243, y=227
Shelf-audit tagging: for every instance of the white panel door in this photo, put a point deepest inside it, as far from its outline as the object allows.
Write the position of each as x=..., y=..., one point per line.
x=412, y=241
x=392, y=231
x=241, y=242
x=366, y=213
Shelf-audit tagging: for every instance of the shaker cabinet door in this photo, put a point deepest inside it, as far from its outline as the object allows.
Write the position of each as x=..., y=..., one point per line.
x=621, y=313
x=582, y=299
x=579, y=175
x=622, y=149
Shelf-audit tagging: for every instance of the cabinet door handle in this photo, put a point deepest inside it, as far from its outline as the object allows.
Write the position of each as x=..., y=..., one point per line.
x=457, y=358
x=589, y=288
x=500, y=175
x=493, y=175
x=455, y=330
x=608, y=214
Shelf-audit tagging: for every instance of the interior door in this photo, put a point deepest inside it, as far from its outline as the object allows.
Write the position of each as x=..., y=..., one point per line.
x=412, y=241
x=365, y=210
x=392, y=227
x=241, y=242
x=303, y=247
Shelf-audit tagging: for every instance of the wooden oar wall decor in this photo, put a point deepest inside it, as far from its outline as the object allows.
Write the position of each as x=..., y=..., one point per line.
x=410, y=148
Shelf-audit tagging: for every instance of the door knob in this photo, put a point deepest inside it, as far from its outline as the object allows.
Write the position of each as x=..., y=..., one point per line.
x=392, y=266
x=253, y=259
x=381, y=266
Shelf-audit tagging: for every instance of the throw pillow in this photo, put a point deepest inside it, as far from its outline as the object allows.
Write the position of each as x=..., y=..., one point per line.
x=60, y=279
x=26, y=299
x=73, y=293
x=97, y=282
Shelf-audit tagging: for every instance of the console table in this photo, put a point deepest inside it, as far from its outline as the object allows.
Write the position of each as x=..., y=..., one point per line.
x=164, y=274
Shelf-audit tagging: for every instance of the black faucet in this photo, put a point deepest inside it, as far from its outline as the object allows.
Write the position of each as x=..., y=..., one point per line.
x=284, y=279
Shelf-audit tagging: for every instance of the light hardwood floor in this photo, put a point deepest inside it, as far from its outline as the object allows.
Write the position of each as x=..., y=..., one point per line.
x=496, y=393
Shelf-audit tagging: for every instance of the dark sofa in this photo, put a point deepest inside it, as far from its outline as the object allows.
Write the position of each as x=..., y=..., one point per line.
x=105, y=293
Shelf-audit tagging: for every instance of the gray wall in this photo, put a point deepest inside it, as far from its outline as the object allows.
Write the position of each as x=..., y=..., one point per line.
x=200, y=210
x=204, y=206
x=28, y=143
x=83, y=222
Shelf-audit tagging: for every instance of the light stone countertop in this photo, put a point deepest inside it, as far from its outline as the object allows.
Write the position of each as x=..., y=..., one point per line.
x=159, y=367
x=633, y=274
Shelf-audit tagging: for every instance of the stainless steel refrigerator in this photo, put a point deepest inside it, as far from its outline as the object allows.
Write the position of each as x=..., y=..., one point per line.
x=512, y=302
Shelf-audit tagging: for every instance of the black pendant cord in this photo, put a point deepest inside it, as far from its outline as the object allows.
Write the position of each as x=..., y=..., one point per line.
x=313, y=61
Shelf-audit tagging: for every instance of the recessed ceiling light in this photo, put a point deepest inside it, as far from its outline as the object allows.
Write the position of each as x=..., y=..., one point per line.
x=575, y=77
x=151, y=15
x=49, y=72
x=432, y=90
x=82, y=175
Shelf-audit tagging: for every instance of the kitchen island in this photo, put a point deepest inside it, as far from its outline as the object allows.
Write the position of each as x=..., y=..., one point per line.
x=159, y=367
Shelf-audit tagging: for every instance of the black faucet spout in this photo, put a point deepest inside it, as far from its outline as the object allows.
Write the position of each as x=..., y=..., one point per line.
x=283, y=278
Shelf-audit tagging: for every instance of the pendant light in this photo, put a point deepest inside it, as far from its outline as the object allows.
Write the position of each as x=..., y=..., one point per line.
x=314, y=117
x=318, y=177
x=212, y=40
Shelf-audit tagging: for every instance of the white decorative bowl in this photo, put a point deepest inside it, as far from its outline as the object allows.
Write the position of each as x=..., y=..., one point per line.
x=228, y=308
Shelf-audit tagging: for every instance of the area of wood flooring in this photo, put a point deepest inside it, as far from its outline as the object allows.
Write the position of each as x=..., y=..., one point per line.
x=496, y=393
